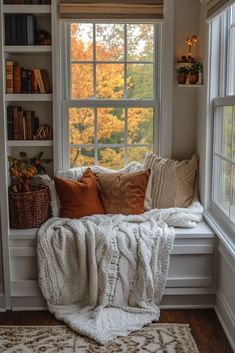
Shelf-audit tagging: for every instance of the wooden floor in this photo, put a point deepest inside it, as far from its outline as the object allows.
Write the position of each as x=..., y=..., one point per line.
x=206, y=329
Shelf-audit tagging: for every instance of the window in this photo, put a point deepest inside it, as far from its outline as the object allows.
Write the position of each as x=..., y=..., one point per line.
x=223, y=152
x=111, y=102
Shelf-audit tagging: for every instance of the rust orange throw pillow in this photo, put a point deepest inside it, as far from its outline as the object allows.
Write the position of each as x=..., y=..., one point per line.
x=123, y=193
x=79, y=198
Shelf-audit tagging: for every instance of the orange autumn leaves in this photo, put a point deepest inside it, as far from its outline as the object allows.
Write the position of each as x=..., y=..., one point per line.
x=109, y=85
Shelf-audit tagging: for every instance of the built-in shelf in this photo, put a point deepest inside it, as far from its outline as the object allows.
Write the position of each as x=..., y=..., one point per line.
x=34, y=9
x=191, y=86
x=27, y=49
x=29, y=143
x=28, y=97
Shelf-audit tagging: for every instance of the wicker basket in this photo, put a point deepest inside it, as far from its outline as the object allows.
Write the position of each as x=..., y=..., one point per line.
x=29, y=209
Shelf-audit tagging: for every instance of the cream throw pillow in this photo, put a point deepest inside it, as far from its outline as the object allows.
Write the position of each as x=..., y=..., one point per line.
x=172, y=181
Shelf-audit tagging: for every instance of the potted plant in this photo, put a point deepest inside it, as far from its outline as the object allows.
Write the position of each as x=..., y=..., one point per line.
x=194, y=70
x=182, y=74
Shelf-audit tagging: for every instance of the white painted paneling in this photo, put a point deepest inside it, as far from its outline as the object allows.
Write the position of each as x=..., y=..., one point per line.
x=225, y=302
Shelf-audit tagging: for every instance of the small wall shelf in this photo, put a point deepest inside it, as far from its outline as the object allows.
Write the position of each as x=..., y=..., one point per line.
x=29, y=143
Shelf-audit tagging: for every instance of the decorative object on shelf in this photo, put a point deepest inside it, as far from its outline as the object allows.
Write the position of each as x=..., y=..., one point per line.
x=24, y=169
x=182, y=74
x=43, y=37
x=193, y=73
x=191, y=42
x=28, y=205
x=45, y=132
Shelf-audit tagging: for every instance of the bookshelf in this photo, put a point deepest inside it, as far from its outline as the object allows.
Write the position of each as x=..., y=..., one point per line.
x=28, y=57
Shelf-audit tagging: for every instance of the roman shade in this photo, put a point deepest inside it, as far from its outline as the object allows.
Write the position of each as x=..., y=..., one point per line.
x=108, y=9
x=214, y=7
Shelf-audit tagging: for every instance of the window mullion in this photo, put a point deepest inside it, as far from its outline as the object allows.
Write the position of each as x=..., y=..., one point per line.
x=94, y=60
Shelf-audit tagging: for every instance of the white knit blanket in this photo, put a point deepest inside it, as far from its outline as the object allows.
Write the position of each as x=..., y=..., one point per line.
x=105, y=275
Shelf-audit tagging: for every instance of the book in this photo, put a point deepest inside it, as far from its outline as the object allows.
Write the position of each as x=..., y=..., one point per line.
x=15, y=123
x=29, y=81
x=24, y=81
x=20, y=124
x=9, y=76
x=34, y=85
x=10, y=134
x=28, y=125
x=7, y=30
x=16, y=78
x=46, y=80
x=39, y=80
x=31, y=30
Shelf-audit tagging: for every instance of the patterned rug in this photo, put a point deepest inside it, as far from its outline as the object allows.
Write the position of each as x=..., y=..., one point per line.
x=154, y=338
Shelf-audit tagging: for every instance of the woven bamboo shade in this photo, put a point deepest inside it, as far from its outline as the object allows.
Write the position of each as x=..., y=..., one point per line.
x=214, y=7
x=107, y=9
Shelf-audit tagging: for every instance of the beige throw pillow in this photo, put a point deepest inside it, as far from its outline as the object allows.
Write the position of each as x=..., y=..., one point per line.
x=172, y=181
x=123, y=193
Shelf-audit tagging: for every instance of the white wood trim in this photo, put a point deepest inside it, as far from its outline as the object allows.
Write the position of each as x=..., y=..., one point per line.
x=192, y=249
x=29, y=143
x=167, y=69
x=226, y=317
x=28, y=97
x=57, y=85
x=34, y=9
x=230, y=260
x=22, y=251
x=3, y=173
x=27, y=49
x=189, y=282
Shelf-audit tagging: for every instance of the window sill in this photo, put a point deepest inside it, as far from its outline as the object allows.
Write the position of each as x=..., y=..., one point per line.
x=221, y=233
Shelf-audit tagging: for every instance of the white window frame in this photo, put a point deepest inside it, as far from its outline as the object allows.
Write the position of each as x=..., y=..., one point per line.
x=218, y=97
x=218, y=213
x=122, y=103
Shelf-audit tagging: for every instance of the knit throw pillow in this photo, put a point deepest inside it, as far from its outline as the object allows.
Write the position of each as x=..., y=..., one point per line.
x=172, y=181
x=123, y=193
x=78, y=198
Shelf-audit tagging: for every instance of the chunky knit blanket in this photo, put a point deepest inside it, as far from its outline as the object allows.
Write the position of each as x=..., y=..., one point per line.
x=105, y=275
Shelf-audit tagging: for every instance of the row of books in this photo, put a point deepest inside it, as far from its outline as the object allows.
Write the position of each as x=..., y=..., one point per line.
x=20, y=80
x=20, y=29
x=21, y=125
x=32, y=2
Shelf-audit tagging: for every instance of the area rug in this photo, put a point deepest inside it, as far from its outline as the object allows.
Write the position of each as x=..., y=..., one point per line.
x=154, y=338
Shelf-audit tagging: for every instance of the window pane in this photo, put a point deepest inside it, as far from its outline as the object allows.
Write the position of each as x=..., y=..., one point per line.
x=140, y=38
x=81, y=126
x=81, y=81
x=231, y=65
x=109, y=81
x=111, y=125
x=233, y=14
x=81, y=41
x=81, y=157
x=140, y=125
x=138, y=153
x=222, y=184
x=111, y=157
x=109, y=42
x=232, y=209
x=227, y=132
x=139, y=81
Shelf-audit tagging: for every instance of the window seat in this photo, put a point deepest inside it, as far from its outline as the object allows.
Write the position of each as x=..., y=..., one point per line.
x=191, y=281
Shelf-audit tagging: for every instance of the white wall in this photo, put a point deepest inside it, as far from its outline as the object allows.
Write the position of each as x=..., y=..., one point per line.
x=185, y=99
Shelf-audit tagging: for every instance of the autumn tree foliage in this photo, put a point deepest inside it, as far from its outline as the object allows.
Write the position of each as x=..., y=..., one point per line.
x=110, y=84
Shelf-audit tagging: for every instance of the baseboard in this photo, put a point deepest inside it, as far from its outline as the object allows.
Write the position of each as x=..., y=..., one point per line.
x=226, y=318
